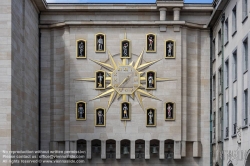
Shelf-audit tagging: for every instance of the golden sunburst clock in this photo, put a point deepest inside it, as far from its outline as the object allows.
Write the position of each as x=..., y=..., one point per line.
x=125, y=79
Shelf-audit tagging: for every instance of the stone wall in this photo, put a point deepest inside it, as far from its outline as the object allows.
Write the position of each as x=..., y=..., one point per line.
x=24, y=75
x=5, y=77
x=60, y=68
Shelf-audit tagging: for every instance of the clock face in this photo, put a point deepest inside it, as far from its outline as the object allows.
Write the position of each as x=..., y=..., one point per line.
x=125, y=79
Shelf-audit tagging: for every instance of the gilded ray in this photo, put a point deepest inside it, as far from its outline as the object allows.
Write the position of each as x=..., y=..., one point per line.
x=111, y=99
x=164, y=79
x=112, y=60
x=144, y=93
x=85, y=79
x=142, y=87
x=145, y=65
x=104, y=94
x=105, y=65
x=139, y=92
x=109, y=86
x=138, y=60
x=139, y=99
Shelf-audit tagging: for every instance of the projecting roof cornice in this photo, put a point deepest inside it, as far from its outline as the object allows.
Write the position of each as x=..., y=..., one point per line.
x=122, y=23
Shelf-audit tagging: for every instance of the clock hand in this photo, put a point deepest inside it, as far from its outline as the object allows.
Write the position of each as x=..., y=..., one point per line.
x=124, y=80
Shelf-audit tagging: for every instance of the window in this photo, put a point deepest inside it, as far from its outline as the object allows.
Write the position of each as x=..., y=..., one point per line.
x=245, y=107
x=220, y=134
x=214, y=124
x=234, y=21
x=244, y=10
x=219, y=42
x=226, y=120
x=213, y=50
x=219, y=81
x=235, y=65
x=226, y=32
x=245, y=54
x=234, y=115
x=214, y=86
x=214, y=119
x=226, y=74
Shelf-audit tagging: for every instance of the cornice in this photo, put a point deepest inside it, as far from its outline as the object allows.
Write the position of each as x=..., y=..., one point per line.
x=122, y=23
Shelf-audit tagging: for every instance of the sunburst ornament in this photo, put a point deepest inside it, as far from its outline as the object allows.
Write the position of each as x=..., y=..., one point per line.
x=126, y=80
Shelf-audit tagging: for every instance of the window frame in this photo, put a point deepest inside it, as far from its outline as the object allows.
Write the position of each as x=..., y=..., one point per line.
x=235, y=65
x=214, y=86
x=244, y=10
x=226, y=32
x=234, y=20
x=226, y=120
x=213, y=50
x=245, y=107
x=245, y=51
x=219, y=81
x=226, y=77
x=219, y=44
x=234, y=117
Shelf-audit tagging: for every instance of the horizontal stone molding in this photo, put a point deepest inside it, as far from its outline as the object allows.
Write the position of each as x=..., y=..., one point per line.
x=121, y=23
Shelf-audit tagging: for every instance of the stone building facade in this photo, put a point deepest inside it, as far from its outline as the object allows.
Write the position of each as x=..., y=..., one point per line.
x=40, y=69
x=229, y=80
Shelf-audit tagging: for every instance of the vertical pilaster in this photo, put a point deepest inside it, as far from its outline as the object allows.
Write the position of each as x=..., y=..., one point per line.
x=183, y=148
x=161, y=152
x=177, y=149
x=88, y=149
x=197, y=149
x=118, y=150
x=132, y=149
x=103, y=148
x=147, y=149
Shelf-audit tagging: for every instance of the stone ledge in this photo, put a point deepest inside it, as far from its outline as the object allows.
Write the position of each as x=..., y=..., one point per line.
x=121, y=23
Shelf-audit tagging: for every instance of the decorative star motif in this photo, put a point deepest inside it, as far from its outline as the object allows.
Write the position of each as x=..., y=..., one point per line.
x=138, y=93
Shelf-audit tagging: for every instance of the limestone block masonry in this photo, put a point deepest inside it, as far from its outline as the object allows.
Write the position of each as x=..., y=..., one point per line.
x=18, y=77
x=190, y=90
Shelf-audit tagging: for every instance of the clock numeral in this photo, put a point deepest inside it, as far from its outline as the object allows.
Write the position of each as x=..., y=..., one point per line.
x=135, y=73
x=125, y=69
x=115, y=74
x=115, y=79
x=120, y=89
x=116, y=85
x=135, y=86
